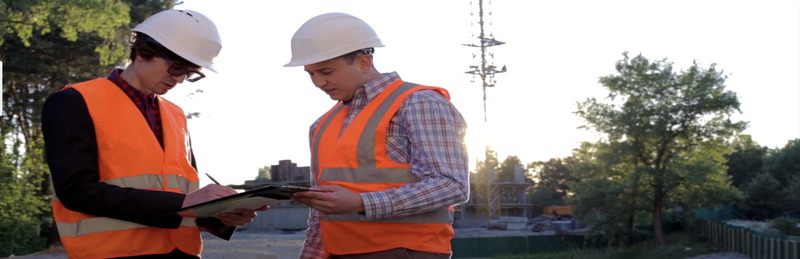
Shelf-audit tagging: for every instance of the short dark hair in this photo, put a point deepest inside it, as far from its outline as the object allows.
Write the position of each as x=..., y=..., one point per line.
x=351, y=57
x=147, y=48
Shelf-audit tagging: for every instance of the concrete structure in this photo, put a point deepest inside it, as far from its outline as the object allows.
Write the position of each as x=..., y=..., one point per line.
x=289, y=216
x=512, y=200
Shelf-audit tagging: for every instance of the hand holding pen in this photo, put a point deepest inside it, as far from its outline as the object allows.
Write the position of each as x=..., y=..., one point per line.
x=207, y=193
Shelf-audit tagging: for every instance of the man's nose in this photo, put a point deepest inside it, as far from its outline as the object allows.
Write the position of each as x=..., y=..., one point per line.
x=318, y=81
x=179, y=79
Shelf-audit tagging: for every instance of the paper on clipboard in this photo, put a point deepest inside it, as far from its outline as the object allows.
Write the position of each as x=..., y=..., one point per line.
x=252, y=199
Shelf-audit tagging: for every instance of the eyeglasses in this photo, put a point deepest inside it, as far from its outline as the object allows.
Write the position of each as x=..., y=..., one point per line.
x=175, y=68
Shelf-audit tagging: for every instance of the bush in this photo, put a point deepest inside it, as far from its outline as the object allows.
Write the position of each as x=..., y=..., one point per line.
x=786, y=226
x=21, y=239
x=764, y=198
x=21, y=215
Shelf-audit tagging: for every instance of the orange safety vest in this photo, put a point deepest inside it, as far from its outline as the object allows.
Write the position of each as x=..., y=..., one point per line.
x=129, y=155
x=357, y=160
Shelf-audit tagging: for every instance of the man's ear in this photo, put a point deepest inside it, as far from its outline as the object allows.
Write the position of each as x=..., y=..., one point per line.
x=364, y=62
x=138, y=57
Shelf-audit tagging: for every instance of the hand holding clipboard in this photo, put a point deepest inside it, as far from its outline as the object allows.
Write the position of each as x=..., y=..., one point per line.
x=252, y=199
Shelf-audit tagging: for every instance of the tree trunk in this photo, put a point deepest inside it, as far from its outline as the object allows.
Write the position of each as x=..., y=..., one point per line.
x=631, y=230
x=658, y=229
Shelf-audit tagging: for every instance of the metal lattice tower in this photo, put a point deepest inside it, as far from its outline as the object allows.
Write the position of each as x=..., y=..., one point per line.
x=487, y=194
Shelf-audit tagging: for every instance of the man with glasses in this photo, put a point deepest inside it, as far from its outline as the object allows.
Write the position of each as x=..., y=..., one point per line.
x=120, y=155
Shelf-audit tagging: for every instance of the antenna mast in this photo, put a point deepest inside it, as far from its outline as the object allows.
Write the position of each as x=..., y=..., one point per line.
x=486, y=70
x=486, y=183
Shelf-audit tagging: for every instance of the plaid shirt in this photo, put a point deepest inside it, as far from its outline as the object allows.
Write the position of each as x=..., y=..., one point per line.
x=148, y=105
x=428, y=133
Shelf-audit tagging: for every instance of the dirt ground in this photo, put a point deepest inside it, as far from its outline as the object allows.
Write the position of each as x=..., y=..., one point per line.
x=721, y=256
x=243, y=245
x=283, y=245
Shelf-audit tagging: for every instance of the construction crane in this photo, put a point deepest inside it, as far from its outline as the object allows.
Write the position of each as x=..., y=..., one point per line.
x=487, y=194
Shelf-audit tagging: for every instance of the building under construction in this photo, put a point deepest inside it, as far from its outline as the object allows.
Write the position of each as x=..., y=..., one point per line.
x=491, y=199
x=509, y=198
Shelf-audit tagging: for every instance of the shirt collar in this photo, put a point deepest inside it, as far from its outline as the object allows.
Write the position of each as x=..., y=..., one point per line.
x=372, y=88
x=129, y=90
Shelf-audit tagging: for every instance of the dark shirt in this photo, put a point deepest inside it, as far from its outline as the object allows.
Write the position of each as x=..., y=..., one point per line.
x=148, y=104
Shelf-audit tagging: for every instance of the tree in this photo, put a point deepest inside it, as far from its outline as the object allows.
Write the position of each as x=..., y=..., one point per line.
x=792, y=191
x=264, y=173
x=70, y=20
x=554, y=180
x=658, y=121
x=46, y=44
x=507, y=170
x=764, y=198
x=609, y=192
x=784, y=163
x=19, y=215
x=543, y=196
x=554, y=174
x=746, y=161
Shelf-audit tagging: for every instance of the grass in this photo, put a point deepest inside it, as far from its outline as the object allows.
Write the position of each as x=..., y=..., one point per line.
x=680, y=244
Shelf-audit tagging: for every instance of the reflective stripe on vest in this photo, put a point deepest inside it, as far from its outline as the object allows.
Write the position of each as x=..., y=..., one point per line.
x=444, y=216
x=152, y=181
x=103, y=224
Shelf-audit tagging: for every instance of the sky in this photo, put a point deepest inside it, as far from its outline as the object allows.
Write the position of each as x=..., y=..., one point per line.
x=255, y=112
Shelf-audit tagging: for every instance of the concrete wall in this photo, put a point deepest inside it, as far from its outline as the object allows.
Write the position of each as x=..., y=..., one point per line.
x=284, y=217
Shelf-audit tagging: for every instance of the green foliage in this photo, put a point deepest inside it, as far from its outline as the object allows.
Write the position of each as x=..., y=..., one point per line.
x=264, y=173
x=764, y=198
x=554, y=180
x=46, y=44
x=665, y=142
x=606, y=198
x=682, y=245
x=507, y=170
x=785, y=226
x=784, y=163
x=746, y=161
x=555, y=173
x=792, y=192
x=20, y=215
x=489, y=161
x=543, y=196
x=26, y=20
x=700, y=179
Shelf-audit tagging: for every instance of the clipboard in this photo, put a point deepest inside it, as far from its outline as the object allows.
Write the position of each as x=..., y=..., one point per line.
x=252, y=199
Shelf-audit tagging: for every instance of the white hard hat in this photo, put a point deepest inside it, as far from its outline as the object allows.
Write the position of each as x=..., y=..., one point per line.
x=187, y=33
x=330, y=35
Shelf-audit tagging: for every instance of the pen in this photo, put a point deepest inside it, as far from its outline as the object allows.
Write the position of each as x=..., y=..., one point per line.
x=212, y=179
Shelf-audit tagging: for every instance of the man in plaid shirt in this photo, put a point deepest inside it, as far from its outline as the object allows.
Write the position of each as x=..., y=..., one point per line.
x=388, y=160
